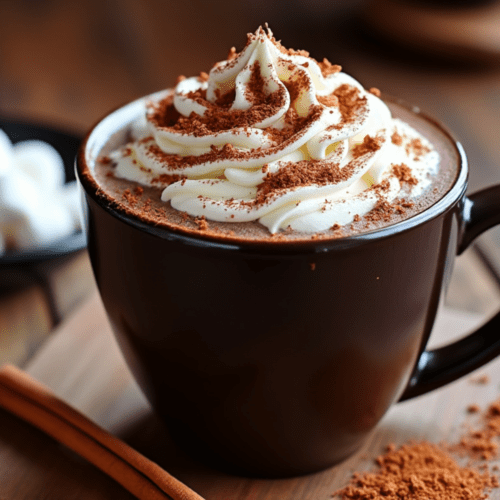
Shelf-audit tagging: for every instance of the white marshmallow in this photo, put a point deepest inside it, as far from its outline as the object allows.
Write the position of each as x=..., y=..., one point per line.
x=36, y=207
x=42, y=162
x=71, y=197
x=6, y=153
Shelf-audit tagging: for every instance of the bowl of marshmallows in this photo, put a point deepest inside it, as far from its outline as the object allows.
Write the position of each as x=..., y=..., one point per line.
x=39, y=200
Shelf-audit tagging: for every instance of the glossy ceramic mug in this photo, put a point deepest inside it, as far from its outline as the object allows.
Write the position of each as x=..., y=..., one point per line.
x=264, y=363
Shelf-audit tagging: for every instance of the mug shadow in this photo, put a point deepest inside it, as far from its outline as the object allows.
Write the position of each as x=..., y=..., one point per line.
x=148, y=435
x=31, y=450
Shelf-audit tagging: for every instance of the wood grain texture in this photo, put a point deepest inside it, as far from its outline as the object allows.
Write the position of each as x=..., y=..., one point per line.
x=25, y=323
x=35, y=467
x=67, y=64
x=81, y=362
x=91, y=375
x=34, y=298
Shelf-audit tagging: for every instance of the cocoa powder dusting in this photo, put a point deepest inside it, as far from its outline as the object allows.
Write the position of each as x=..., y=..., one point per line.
x=203, y=76
x=473, y=408
x=167, y=179
x=202, y=223
x=327, y=68
x=351, y=104
x=130, y=198
x=427, y=471
x=304, y=173
x=329, y=100
x=218, y=116
x=480, y=380
x=177, y=161
x=105, y=160
x=383, y=211
x=254, y=91
x=404, y=175
x=295, y=127
x=316, y=172
x=482, y=443
x=163, y=113
x=294, y=124
x=147, y=205
x=369, y=145
x=416, y=147
x=396, y=139
x=419, y=471
x=297, y=84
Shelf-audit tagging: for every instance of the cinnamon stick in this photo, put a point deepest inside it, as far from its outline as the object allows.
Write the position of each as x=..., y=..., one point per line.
x=36, y=404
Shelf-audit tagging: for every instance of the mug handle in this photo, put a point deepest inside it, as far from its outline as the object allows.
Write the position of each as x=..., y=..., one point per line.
x=438, y=367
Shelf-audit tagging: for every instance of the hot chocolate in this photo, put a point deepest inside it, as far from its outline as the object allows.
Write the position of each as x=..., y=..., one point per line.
x=268, y=354
x=274, y=145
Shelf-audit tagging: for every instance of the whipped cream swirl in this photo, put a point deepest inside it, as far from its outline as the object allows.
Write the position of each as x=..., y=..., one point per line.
x=275, y=136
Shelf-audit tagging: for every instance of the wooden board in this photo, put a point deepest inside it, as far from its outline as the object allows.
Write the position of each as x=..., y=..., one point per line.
x=82, y=364
x=115, y=51
x=34, y=298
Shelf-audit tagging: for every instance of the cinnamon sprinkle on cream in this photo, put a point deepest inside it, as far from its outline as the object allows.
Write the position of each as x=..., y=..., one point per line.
x=283, y=112
x=105, y=160
x=351, y=103
x=396, y=139
x=403, y=174
x=304, y=173
x=203, y=76
x=329, y=100
x=416, y=147
x=202, y=223
x=369, y=145
x=327, y=68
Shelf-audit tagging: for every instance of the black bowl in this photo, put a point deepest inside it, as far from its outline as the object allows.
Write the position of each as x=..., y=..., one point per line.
x=66, y=144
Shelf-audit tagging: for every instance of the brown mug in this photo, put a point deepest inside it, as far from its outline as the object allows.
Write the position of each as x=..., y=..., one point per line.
x=279, y=359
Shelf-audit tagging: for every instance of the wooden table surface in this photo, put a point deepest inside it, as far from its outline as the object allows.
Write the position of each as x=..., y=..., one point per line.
x=68, y=63
x=81, y=362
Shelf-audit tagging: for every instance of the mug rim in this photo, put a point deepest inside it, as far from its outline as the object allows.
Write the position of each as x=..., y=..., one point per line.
x=195, y=239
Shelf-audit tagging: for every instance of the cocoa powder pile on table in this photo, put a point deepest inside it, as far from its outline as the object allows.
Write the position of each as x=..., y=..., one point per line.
x=419, y=471
x=482, y=443
x=425, y=471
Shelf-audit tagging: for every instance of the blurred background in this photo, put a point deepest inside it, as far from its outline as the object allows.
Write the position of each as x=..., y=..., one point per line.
x=65, y=64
